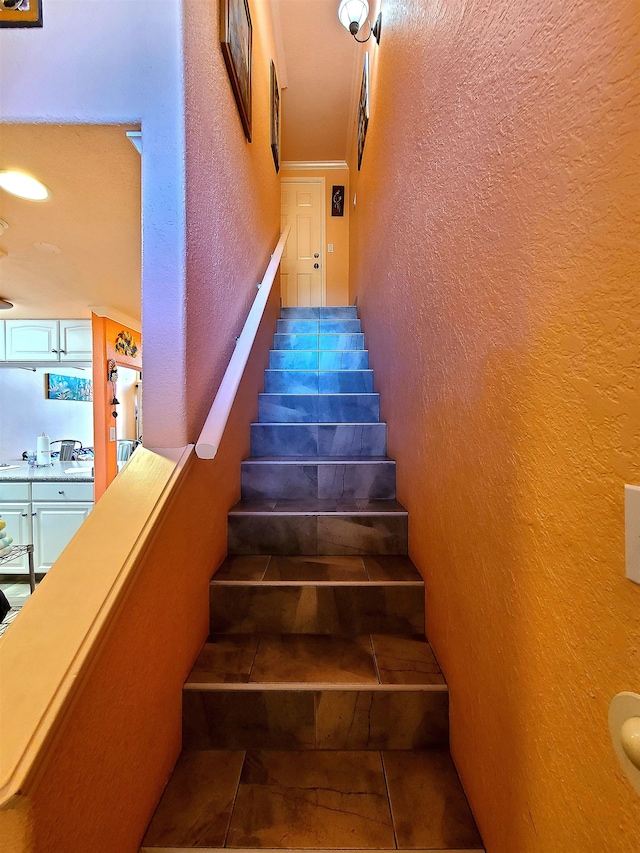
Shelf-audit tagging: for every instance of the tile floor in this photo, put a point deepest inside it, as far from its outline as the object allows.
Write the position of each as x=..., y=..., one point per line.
x=314, y=799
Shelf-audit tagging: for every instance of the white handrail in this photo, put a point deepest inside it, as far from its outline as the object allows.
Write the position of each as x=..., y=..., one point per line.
x=214, y=426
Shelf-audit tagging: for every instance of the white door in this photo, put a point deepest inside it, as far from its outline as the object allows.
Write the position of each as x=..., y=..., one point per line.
x=75, y=340
x=302, y=268
x=18, y=519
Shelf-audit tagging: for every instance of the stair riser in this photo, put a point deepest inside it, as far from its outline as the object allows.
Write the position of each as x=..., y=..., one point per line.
x=315, y=360
x=324, y=382
x=315, y=719
x=318, y=342
x=335, y=313
x=315, y=408
x=318, y=439
x=300, y=535
x=318, y=327
x=374, y=480
x=345, y=610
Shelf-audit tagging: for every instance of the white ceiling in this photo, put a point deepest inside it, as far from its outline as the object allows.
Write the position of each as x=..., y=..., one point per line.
x=81, y=248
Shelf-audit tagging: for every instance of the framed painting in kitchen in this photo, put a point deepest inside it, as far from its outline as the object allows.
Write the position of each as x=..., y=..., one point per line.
x=235, y=41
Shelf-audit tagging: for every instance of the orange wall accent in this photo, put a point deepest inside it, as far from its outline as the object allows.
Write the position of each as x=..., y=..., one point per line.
x=233, y=199
x=337, y=232
x=494, y=255
x=105, y=335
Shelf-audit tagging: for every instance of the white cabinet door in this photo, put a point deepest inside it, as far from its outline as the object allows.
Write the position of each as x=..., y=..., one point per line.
x=17, y=516
x=32, y=340
x=54, y=524
x=3, y=348
x=75, y=340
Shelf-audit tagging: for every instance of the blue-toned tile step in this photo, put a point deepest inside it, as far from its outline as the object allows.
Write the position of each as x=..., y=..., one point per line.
x=327, y=313
x=355, y=439
x=314, y=360
x=318, y=408
x=318, y=478
x=341, y=342
x=315, y=327
x=325, y=382
x=323, y=342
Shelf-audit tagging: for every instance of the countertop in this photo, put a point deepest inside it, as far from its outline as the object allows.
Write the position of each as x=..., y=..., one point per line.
x=56, y=472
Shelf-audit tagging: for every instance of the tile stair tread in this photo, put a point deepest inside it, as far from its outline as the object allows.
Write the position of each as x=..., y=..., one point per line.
x=316, y=661
x=319, y=460
x=318, y=506
x=317, y=569
x=252, y=799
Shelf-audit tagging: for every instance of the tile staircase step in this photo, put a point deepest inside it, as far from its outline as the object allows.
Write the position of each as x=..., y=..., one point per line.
x=266, y=800
x=318, y=327
x=258, y=567
x=318, y=342
x=319, y=408
x=315, y=692
x=318, y=478
x=317, y=526
x=282, y=359
x=314, y=381
x=269, y=439
x=325, y=313
x=304, y=607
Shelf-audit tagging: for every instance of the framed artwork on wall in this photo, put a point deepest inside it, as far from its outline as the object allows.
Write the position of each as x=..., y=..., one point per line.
x=69, y=388
x=25, y=13
x=235, y=40
x=337, y=200
x=363, y=109
x=275, y=117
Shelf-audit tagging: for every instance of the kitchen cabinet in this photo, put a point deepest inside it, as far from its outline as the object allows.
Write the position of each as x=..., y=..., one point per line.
x=46, y=515
x=3, y=348
x=47, y=340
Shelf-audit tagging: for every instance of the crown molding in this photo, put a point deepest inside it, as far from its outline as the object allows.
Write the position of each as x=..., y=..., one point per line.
x=311, y=165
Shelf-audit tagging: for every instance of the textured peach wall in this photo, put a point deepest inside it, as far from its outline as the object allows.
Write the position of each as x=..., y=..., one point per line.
x=337, y=232
x=233, y=199
x=494, y=254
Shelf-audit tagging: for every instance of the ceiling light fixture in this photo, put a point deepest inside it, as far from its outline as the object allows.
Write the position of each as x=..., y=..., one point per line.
x=4, y=305
x=23, y=185
x=353, y=14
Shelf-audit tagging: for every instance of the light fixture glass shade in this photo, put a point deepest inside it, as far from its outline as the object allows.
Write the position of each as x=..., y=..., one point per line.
x=23, y=185
x=353, y=12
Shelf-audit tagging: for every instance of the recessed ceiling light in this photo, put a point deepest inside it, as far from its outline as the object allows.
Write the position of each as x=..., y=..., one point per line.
x=23, y=185
x=48, y=248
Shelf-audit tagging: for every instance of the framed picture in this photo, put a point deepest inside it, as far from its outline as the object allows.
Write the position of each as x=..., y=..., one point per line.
x=26, y=13
x=69, y=388
x=363, y=109
x=275, y=117
x=235, y=40
x=337, y=200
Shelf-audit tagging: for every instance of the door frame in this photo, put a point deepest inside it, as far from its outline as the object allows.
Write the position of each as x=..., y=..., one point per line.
x=301, y=179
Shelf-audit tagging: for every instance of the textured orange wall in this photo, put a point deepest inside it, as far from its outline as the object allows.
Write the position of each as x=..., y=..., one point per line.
x=337, y=232
x=233, y=198
x=494, y=254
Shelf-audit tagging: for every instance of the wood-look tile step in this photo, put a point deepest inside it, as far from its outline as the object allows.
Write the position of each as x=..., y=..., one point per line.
x=262, y=800
x=396, y=567
x=315, y=692
x=308, y=526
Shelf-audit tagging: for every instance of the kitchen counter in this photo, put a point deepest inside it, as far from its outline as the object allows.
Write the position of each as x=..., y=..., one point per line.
x=68, y=472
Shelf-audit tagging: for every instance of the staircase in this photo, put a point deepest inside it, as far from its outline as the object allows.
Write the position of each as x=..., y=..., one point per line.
x=316, y=716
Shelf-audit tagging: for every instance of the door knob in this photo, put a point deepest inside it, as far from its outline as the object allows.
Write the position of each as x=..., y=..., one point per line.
x=316, y=255
x=316, y=266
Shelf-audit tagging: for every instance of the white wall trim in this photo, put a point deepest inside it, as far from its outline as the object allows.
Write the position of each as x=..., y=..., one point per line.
x=314, y=165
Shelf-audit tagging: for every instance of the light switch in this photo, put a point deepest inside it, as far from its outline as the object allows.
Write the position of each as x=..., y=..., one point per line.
x=112, y=433
x=632, y=531
x=330, y=248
